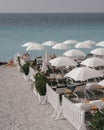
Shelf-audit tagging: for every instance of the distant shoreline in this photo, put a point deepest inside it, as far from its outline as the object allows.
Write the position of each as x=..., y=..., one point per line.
x=51, y=12
x=2, y=63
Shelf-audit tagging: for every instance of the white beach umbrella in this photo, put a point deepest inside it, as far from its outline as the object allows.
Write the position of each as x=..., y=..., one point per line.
x=44, y=66
x=98, y=51
x=82, y=45
x=101, y=83
x=83, y=74
x=74, y=53
x=89, y=42
x=93, y=62
x=100, y=44
x=27, y=44
x=35, y=46
x=49, y=43
x=61, y=46
x=45, y=62
x=62, y=61
x=69, y=42
x=46, y=57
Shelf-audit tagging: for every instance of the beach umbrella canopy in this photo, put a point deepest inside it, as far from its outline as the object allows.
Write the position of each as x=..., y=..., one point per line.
x=62, y=61
x=49, y=43
x=45, y=62
x=98, y=51
x=83, y=74
x=61, y=46
x=27, y=44
x=82, y=45
x=89, y=42
x=93, y=62
x=74, y=53
x=69, y=42
x=44, y=66
x=35, y=46
x=100, y=44
x=46, y=57
x=101, y=83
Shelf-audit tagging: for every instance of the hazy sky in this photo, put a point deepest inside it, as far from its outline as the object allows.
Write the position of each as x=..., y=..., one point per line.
x=51, y=6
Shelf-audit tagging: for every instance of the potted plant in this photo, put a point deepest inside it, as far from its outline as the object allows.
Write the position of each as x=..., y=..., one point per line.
x=25, y=70
x=19, y=63
x=97, y=121
x=40, y=85
x=18, y=60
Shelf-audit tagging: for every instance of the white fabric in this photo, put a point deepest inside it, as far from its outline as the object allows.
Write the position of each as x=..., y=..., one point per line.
x=35, y=91
x=31, y=74
x=93, y=62
x=98, y=103
x=82, y=45
x=83, y=73
x=84, y=106
x=22, y=62
x=15, y=59
x=101, y=83
x=62, y=61
x=73, y=114
x=89, y=42
x=35, y=46
x=98, y=51
x=74, y=53
x=100, y=44
x=44, y=66
x=69, y=42
x=61, y=46
x=42, y=99
x=27, y=44
x=49, y=43
x=92, y=86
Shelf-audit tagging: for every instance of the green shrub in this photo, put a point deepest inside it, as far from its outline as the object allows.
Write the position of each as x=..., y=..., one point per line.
x=97, y=121
x=25, y=68
x=18, y=59
x=40, y=82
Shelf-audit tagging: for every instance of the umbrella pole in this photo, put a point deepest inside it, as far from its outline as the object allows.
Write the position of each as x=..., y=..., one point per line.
x=31, y=55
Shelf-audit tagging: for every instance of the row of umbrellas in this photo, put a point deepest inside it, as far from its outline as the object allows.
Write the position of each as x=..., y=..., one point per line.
x=83, y=74
x=33, y=46
x=74, y=53
x=67, y=61
x=65, y=45
x=70, y=42
x=80, y=73
x=84, y=44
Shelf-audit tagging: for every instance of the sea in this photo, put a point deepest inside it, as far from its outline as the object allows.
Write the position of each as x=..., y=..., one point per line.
x=19, y=28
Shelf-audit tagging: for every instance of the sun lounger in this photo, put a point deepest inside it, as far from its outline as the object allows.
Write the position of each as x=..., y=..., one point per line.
x=90, y=88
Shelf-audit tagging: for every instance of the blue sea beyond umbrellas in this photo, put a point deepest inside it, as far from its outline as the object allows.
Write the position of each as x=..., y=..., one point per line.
x=17, y=29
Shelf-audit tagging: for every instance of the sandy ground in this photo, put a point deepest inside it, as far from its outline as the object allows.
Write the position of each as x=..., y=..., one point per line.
x=19, y=107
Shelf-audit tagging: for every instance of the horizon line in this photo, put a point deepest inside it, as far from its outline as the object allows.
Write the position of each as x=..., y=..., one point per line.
x=46, y=12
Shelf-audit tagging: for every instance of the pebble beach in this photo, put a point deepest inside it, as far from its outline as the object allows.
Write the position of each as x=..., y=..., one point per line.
x=19, y=107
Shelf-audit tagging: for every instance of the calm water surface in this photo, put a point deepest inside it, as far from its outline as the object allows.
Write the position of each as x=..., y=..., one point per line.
x=16, y=29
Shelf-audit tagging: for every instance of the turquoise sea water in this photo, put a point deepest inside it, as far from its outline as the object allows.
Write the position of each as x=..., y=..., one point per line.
x=16, y=29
